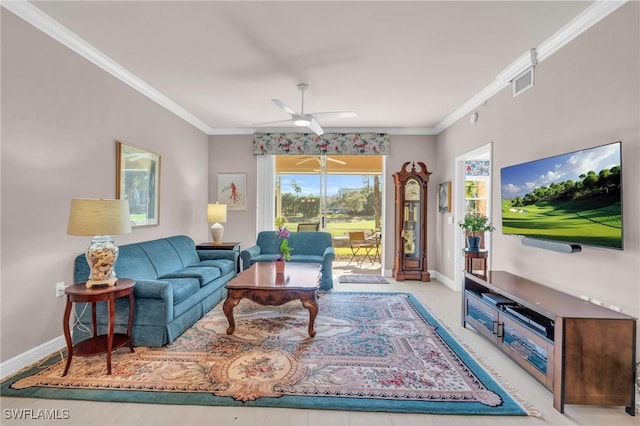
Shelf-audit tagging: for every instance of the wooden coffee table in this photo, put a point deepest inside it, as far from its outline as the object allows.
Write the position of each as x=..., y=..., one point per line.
x=261, y=284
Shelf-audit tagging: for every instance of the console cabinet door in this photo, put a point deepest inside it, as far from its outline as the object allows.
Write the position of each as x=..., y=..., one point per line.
x=528, y=349
x=481, y=316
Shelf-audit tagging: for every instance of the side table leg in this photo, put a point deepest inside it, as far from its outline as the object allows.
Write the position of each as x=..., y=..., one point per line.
x=132, y=306
x=112, y=320
x=312, y=306
x=67, y=335
x=227, y=308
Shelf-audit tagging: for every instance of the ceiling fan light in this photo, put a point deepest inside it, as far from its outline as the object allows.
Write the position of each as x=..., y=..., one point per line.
x=301, y=121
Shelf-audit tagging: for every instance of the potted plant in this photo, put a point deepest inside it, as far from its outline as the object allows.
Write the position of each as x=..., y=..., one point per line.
x=473, y=224
x=282, y=234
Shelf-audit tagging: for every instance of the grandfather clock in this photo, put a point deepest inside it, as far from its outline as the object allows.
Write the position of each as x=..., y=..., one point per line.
x=411, y=223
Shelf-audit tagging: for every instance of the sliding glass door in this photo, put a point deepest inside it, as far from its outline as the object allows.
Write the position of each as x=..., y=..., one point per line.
x=341, y=193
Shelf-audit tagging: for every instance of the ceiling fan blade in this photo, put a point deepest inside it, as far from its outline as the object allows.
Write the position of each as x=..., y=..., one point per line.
x=283, y=106
x=315, y=127
x=271, y=122
x=337, y=161
x=305, y=161
x=334, y=114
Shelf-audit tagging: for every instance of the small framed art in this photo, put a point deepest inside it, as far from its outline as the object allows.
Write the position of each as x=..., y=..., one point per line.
x=232, y=190
x=444, y=197
x=138, y=181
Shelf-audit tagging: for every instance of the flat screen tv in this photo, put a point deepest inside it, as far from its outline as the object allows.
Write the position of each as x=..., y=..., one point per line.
x=572, y=198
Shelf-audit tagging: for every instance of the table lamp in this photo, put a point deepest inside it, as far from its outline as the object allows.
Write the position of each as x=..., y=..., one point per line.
x=100, y=219
x=217, y=213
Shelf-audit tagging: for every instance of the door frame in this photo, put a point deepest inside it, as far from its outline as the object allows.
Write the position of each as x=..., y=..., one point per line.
x=482, y=152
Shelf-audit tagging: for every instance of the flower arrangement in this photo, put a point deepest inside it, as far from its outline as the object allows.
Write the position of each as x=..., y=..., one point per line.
x=283, y=235
x=476, y=222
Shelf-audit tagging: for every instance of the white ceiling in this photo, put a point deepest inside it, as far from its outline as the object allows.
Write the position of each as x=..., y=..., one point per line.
x=403, y=66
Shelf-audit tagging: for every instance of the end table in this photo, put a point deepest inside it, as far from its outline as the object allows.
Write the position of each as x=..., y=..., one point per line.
x=470, y=254
x=235, y=246
x=79, y=293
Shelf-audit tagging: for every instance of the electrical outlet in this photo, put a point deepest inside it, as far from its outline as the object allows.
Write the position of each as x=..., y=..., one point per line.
x=60, y=289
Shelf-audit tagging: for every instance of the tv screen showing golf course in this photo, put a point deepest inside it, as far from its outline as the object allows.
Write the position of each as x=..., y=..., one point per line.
x=572, y=198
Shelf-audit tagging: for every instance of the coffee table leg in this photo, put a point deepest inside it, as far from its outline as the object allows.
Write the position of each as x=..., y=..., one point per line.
x=227, y=308
x=312, y=306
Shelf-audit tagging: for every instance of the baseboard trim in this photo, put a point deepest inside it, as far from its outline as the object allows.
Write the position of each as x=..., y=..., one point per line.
x=445, y=280
x=25, y=359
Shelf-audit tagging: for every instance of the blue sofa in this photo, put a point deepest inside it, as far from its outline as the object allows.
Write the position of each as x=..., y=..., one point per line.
x=309, y=247
x=175, y=286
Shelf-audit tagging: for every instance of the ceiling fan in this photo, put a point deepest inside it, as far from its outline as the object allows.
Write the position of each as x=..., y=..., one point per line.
x=309, y=120
x=319, y=160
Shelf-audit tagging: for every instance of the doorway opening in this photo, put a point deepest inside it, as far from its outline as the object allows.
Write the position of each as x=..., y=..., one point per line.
x=473, y=193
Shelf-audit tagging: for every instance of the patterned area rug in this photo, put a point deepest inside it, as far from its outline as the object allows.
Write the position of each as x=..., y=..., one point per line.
x=372, y=352
x=362, y=279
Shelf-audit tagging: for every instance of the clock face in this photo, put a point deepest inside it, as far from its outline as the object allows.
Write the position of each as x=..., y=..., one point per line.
x=412, y=190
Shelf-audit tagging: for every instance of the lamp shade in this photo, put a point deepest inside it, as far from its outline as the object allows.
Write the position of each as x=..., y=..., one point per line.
x=98, y=217
x=217, y=213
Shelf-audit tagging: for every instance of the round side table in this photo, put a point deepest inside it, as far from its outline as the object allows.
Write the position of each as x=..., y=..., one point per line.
x=79, y=293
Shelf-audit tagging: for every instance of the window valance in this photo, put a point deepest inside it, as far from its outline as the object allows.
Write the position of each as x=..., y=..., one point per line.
x=328, y=143
x=477, y=168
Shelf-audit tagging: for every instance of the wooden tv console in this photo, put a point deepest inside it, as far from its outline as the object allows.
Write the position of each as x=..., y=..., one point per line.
x=584, y=353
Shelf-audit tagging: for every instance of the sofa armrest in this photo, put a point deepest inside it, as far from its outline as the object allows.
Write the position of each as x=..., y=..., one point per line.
x=218, y=254
x=153, y=289
x=329, y=254
x=247, y=254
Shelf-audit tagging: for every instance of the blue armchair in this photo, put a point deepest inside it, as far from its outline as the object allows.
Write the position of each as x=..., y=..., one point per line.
x=309, y=247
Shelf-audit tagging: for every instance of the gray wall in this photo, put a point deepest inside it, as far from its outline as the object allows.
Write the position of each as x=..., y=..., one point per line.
x=585, y=95
x=61, y=116
x=234, y=154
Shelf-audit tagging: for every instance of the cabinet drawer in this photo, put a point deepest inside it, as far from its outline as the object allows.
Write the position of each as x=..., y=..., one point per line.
x=529, y=350
x=480, y=316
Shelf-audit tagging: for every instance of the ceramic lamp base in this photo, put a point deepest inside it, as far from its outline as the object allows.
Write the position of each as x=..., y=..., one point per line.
x=216, y=233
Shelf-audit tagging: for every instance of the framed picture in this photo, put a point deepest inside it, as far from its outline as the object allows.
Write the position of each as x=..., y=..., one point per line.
x=444, y=200
x=232, y=190
x=138, y=181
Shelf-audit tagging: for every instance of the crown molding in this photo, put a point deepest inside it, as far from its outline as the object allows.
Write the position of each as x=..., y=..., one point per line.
x=34, y=16
x=581, y=23
x=421, y=131
x=590, y=16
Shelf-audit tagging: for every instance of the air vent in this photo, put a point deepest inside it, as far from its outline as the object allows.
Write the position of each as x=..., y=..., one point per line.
x=522, y=82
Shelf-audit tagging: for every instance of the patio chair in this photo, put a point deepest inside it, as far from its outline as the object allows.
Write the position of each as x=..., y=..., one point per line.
x=360, y=246
x=308, y=227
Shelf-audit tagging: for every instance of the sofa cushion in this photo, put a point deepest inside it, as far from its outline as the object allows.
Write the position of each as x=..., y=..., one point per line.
x=306, y=258
x=183, y=288
x=203, y=274
x=224, y=265
x=269, y=243
x=134, y=263
x=162, y=255
x=186, y=249
x=265, y=258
